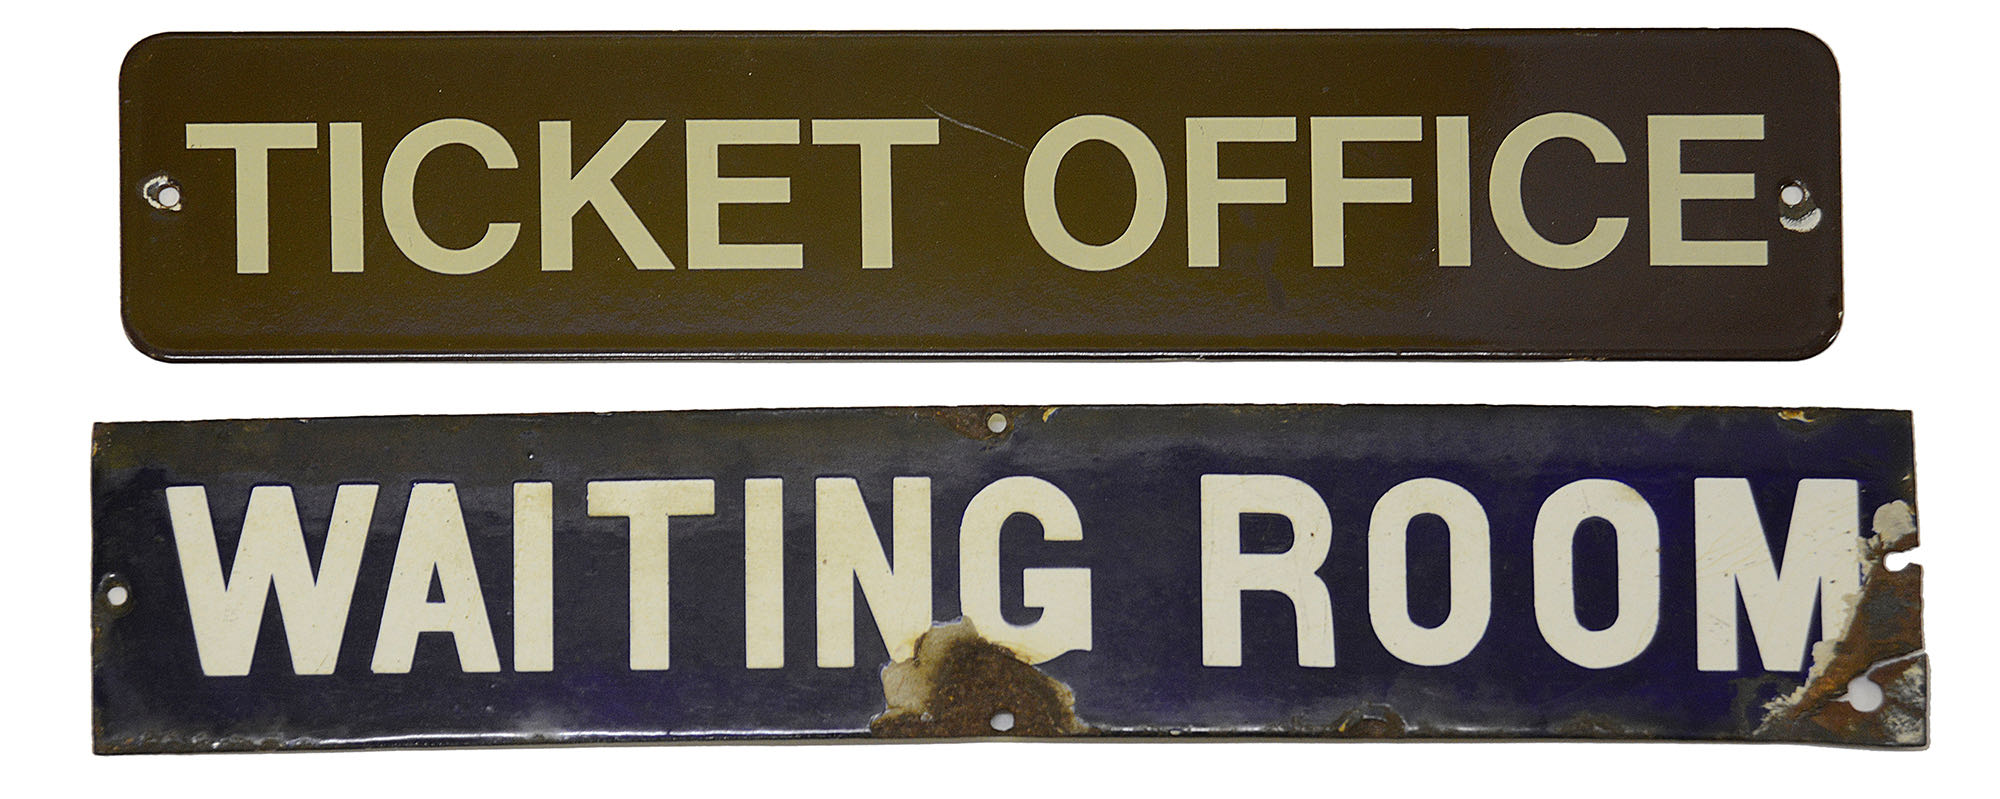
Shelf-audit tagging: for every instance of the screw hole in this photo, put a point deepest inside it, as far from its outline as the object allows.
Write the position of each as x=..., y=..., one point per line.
x=162, y=192
x=1796, y=210
x=997, y=423
x=117, y=596
x=1863, y=694
x=1002, y=721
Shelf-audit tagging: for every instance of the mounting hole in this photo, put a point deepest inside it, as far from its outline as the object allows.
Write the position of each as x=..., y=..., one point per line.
x=998, y=424
x=1863, y=694
x=1002, y=721
x=162, y=192
x=114, y=595
x=1797, y=211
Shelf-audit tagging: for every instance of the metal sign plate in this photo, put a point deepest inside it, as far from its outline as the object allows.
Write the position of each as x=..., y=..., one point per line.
x=1590, y=194
x=1219, y=571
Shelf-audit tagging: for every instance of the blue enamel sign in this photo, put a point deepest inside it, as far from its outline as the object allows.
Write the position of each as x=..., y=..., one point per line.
x=1195, y=571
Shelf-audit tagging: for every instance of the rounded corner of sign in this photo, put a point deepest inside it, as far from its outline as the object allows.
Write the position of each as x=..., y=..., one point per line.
x=1814, y=46
x=1817, y=340
x=137, y=338
x=142, y=53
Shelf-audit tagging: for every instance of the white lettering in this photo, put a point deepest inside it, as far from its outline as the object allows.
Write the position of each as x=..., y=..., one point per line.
x=1511, y=215
x=1669, y=187
x=1207, y=192
x=850, y=551
x=1062, y=594
x=708, y=191
x=1149, y=206
x=227, y=611
x=764, y=573
x=253, y=143
x=1333, y=191
x=649, y=504
x=399, y=196
x=1388, y=572
x=876, y=137
x=534, y=577
x=1454, y=163
x=1821, y=556
x=564, y=194
x=344, y=194
x=433, y=542
x=1227, y=571
x=1638, y=565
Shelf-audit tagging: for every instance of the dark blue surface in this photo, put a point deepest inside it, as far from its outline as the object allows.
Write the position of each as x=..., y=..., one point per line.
x=1133, y=474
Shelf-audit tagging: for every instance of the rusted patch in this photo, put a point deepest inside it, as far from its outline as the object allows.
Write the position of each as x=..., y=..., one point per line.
x=1883, y=643
x=1795, y=416
x=983, y=423
x=1371, y=721
x=959, y=683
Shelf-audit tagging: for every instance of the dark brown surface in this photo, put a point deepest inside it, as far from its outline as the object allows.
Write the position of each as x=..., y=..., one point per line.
x=969, y=277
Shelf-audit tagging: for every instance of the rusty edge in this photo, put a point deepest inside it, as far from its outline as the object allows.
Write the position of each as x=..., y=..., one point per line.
x=989, y=424
x=958, y=685
x=1883, y=644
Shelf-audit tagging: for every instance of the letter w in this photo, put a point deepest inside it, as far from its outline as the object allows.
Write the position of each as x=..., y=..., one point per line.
x=227, y=610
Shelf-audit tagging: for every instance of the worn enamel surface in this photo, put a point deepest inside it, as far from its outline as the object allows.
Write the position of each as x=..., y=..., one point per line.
x=1264, y=571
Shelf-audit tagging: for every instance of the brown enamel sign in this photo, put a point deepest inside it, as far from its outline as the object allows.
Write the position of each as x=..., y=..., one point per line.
x=1589, y=194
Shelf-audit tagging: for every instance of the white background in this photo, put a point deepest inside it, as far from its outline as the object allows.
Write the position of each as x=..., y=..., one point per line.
x=1920, y=203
